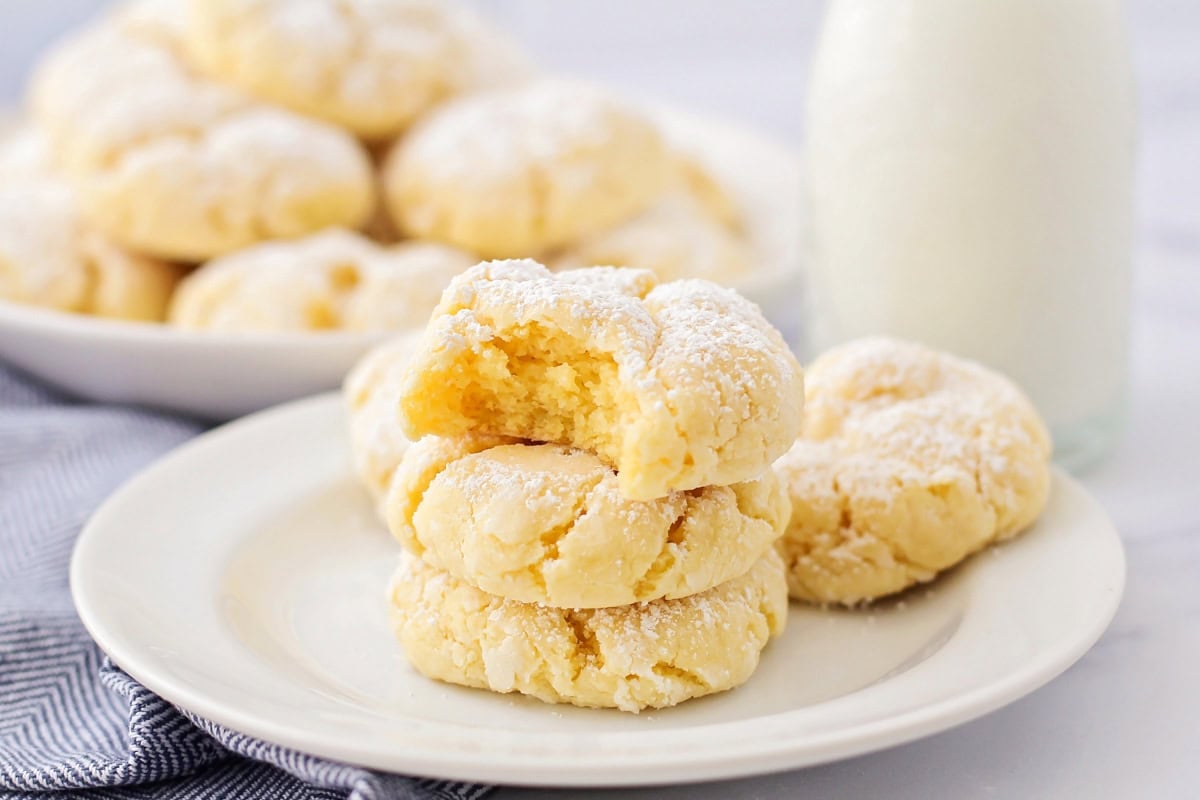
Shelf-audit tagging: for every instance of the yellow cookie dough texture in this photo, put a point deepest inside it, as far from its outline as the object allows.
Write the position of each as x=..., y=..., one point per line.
x=331, y=280
x=516, y=172
x=911, y=460
x=676, y=385
x=49, y=257
x=543, y=523
x=371, y=67
x=371, y=391
x=646, y=655
x=170, y=164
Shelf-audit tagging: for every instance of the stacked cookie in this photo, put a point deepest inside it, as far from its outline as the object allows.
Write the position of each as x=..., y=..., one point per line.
x=588, y=510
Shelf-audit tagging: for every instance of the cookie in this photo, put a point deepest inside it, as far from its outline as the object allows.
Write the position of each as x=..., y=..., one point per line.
x=675, y=238
x=403, y=292
x=333, y=280
x=647, y=655
x=543, y=523
x=172, y=165
x=694, y=179
x=366, y=66
x=910, y=461
x=693, y=230
x=676, y=385
x=23, y=152
x=377, y=443
x=49, y=257
x=517, y=172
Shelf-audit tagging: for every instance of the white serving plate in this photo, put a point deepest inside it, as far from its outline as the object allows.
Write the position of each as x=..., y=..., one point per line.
x=243, y=578
x=221, y=376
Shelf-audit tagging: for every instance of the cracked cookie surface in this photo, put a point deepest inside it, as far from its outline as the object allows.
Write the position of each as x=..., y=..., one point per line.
x=516, y=172
x=542, y=523
x=333, y=280
x=910, y=461
x=173, y=165
x=367, y=66
x=647, y=655
x=676, y=385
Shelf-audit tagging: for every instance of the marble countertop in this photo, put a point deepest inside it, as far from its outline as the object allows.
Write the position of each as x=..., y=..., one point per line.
x=1125, y=721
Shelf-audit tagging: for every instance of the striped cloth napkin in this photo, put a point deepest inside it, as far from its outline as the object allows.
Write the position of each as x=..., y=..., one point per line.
x=70, y=721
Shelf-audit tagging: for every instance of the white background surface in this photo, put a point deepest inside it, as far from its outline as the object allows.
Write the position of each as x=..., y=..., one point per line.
x=1125, y=722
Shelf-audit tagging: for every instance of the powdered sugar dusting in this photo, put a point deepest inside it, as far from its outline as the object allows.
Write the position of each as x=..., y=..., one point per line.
x=632, y=657
x=559, y=160
x=373, y=67
x=713, y=392
x=335, y=279
x=140, y=134
x=910, y=460
x=537, y=124
x=535, y=523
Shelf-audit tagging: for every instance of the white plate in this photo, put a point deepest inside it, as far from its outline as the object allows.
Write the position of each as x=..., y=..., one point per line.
x=243, y=578
x=223, y=376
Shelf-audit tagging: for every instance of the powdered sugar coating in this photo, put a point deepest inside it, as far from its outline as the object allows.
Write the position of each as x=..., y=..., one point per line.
x=910, y=460
x=171, y=164
x=368, y=66
x=646, y=655
x=547, y=524
x=516, y=172
x=48, y=255
x=677, y=385
x=333, y=280
x=370, y=391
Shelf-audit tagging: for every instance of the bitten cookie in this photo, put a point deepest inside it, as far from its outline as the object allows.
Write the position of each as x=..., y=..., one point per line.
x=172, y=165
x=367, y=66
x=333, y=280
x=547, y=524
x=377, y=443
x=49, y=257
x=648, y=655
x=910, y=461
x=676, y=385
x=516, y=172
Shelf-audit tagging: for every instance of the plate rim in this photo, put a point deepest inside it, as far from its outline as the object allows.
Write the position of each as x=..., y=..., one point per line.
x=139, y=332
x=736, y=757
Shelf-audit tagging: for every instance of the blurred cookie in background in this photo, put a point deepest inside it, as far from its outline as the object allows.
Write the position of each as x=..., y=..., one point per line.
x=333, y=280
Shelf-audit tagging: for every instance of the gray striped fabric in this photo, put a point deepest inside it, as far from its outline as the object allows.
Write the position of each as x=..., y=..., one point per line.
x=69, y=721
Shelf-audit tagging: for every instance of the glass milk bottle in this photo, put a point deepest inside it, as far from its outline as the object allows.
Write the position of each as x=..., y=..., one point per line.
x=970, y=179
